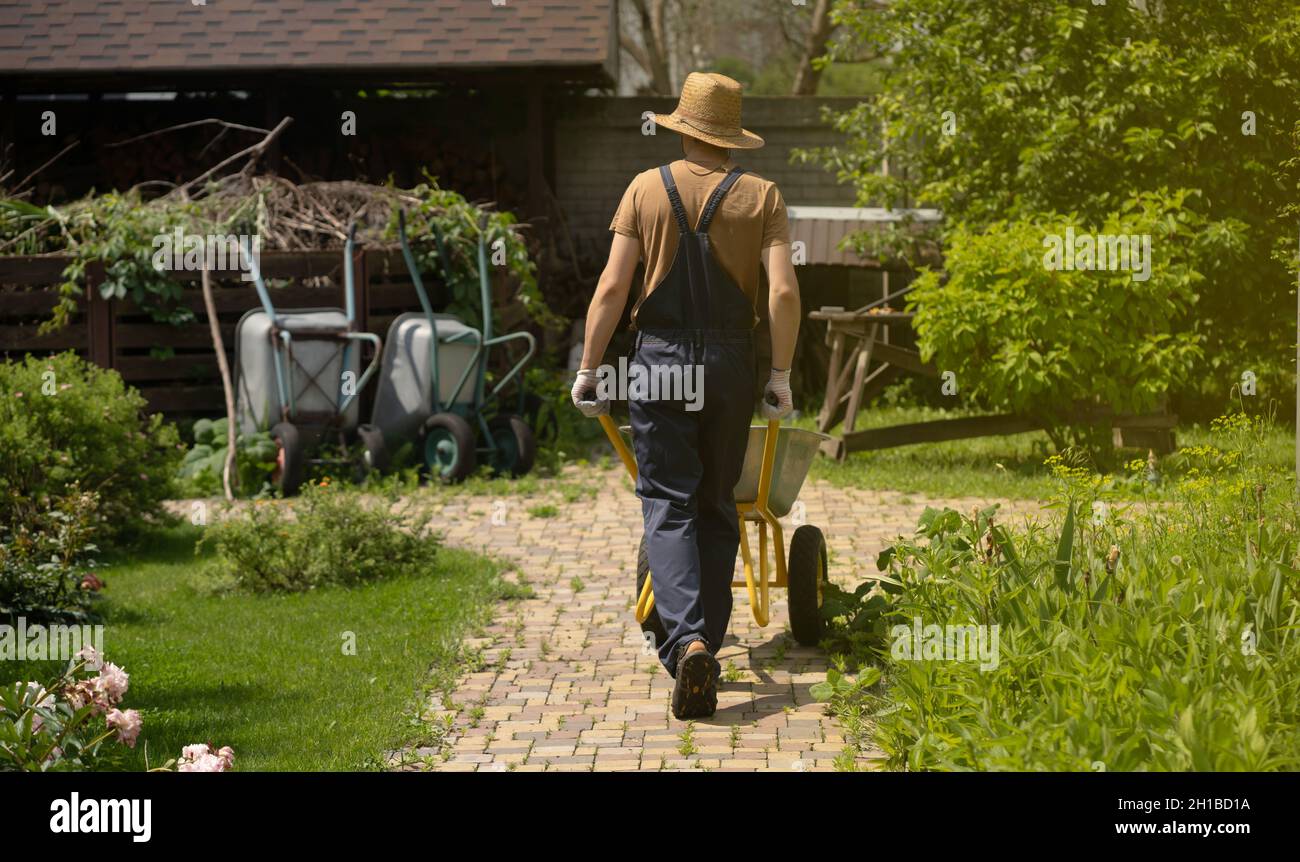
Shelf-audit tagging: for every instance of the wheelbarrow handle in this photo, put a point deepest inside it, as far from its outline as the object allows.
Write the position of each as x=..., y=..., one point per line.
x=616, y=440
x=765, y=466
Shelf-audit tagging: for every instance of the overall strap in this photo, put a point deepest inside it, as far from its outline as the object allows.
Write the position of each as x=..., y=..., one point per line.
x=706, y=218
x=679, y=211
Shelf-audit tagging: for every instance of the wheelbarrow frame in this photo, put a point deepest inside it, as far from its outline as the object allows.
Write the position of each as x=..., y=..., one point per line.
x=757, y=510
x=479, y=405
x=283, y=336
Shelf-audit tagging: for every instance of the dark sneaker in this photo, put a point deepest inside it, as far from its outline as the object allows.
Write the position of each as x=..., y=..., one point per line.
x=695, y=694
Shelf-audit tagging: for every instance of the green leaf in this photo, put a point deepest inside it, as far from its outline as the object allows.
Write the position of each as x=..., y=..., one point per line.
x=1065, y=550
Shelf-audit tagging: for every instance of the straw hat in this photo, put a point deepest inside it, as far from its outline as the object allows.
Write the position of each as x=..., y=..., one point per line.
x=709, y=109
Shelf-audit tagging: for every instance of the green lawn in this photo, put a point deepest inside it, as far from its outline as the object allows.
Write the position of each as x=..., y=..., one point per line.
x=1008, y=467
x=267, y=674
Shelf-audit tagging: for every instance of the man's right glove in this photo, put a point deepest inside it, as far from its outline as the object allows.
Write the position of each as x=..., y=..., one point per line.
x=778, y=402
x=584, y=394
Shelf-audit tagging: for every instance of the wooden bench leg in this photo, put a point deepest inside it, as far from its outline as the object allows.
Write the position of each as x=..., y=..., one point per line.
x=826, y=418
x=859, y=380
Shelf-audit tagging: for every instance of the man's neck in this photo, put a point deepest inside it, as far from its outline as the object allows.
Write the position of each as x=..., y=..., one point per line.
x=712, y=159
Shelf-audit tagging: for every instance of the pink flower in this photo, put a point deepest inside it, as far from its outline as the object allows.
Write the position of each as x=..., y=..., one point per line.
x=18, y=395
x=199, y=758
x=191, y=752
x=126, y=723
x=93, y=658
x=80, y=694
x=111, y=685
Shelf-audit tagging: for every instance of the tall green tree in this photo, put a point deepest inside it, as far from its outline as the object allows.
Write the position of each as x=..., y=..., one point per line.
x=1018, y=109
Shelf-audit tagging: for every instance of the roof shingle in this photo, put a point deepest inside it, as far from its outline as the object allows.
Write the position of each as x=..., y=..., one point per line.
x=159, y=36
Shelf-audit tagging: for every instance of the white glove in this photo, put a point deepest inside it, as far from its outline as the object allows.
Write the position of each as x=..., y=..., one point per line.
x=778, y=401
x=584, y=394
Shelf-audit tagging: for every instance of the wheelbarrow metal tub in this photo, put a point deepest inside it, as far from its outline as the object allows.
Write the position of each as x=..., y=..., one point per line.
x=795, y=450
x=777, y=461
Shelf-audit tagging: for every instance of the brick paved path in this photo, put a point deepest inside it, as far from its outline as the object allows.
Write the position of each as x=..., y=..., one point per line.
x=570, y=684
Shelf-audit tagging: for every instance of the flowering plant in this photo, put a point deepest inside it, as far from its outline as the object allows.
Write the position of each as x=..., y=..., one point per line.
x=64, y=724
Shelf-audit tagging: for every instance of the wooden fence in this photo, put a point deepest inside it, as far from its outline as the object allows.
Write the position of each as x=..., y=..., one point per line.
x=174, y=366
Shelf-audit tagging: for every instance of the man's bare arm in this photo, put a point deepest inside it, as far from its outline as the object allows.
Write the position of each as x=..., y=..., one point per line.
x=610, y=299
x=783, y=307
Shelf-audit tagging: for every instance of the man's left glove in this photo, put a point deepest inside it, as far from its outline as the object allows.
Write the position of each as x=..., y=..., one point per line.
x=778, y=401
x=584, y=394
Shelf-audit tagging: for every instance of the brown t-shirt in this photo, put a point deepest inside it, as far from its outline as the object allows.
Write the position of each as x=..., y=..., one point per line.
x=751, y=218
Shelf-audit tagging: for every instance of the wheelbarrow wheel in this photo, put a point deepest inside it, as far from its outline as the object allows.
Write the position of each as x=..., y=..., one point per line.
x=516, y=448
x=652, y=623
x=448, y=447
x=808, y=576
x=289, y=460
x=374, y=455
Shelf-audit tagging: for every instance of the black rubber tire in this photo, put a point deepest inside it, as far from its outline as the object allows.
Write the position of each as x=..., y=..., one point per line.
x=289, y=443
x=516, y=449
x=652, y=623
x=374, y=454
x=808, y=572
x=452, y=439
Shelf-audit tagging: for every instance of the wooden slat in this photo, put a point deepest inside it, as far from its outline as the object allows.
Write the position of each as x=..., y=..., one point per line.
x=185, y=399
x=281, y=264
x=236, y=300
x=908, y=360
x=198, y=366
x=27, y=303
x=139, y=335
x=20, y=339
x=99, y=318
x=938, y=431
x=33, y=270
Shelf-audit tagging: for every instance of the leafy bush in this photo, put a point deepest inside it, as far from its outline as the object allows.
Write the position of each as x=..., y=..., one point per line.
x=1028, y=339
x=68, y=426
x=202, y=466
x=461, y=223
x=328, y=537
x=1010, y=110
x=45, y=564
x=1158, y=637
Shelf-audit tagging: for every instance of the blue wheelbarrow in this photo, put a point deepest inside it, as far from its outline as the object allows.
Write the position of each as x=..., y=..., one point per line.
x=299, y=373
x=433, y=383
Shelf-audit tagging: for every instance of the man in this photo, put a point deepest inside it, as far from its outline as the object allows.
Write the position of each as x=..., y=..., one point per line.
x=701, y=225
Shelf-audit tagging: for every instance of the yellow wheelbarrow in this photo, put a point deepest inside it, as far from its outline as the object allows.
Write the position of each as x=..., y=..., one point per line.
x=776, y=463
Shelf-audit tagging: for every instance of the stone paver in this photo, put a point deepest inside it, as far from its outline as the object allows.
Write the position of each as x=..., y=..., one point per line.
x=571, y=685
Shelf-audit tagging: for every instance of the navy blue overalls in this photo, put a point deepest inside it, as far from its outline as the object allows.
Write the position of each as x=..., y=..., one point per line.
x=689, y=461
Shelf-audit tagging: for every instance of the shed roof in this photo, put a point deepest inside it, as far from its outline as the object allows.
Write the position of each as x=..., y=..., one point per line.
x=822, y=229
x=412, y=39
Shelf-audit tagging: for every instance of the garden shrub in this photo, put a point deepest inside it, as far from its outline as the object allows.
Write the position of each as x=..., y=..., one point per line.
x=1032, y=340
x=1162, y=636
x=46, y=563
x=328, y=537
x=68, y=426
